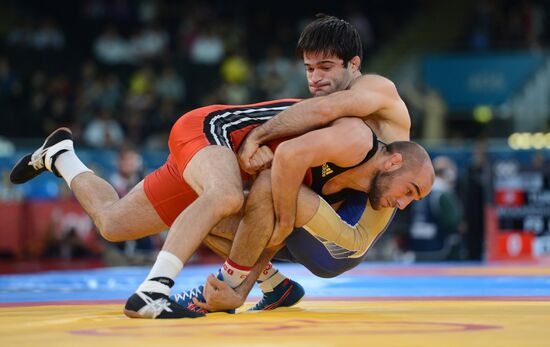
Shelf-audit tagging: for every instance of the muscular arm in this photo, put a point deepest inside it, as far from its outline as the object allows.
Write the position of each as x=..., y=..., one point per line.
x=369, y=96
x=342, y=238
x=344, y=143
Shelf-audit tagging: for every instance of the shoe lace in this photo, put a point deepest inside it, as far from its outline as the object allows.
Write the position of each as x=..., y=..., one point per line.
x=37, y=160
x=189, y=294
x=263, y=301
x=192, y=307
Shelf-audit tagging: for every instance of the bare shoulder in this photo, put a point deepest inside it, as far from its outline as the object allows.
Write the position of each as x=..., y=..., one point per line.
x=353, y=127
x=391, y=120
x=376, y=83
x=356, y=140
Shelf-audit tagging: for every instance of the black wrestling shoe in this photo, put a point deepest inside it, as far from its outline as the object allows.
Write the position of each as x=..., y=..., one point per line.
x=33, y=164
x=156, y=306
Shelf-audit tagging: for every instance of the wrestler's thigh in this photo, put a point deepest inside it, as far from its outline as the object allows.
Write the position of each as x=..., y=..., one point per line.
x=134, y=215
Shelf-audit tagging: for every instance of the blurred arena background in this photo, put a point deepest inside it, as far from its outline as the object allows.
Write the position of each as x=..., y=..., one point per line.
x=475, y=76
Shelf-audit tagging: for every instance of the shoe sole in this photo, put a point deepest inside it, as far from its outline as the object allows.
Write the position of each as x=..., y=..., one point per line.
x=23, y=161
x=132, y=314
x=26, y=159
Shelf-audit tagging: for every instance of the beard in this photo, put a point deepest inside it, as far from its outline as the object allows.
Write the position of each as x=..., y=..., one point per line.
x=379, y=186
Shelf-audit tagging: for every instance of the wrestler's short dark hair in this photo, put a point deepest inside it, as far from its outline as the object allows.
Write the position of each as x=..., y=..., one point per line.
x=330, y=35
x=414, y=155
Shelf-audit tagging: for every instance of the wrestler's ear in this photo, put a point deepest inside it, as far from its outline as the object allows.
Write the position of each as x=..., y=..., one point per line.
x=355, y=63
x=393, y=162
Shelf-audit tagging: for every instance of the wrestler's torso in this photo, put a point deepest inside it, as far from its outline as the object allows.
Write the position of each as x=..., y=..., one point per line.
x=228, y=125
x=317, y=177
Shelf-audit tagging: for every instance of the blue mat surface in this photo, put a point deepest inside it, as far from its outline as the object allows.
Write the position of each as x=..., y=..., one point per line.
x=367, y=280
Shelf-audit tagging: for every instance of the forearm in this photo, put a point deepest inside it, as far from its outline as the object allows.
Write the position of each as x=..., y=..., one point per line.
x=296, y=120
x=256, y=227
x=327, y=226
x=286, y=177
x=244, y=289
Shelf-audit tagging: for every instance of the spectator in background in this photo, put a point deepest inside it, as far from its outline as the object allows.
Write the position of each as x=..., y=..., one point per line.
x=149, y=43
x=39, y=99
x=170, y=86
x=359, y=20
x=110, y=48
x=110, y=93
x=436, y=225
x=141, y=93
x=483, y=26
x=236, y=74
x=538, y=161
x=48, y=36
x=103, y=131
x=206, y=53
x=129, y=172
x=140, y=101
x=9, y=192
x=19, y=36
x=207, y=47
x=160, y=124
x=88, y=90
x=273, y=72
x=11, y=99
x=477, y=180
x=432, y=108
x=59, y=105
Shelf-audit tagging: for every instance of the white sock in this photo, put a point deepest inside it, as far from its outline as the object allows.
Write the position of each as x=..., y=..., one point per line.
x=267, y=272
x=234, y=274
x=272, y=282
x=167, y=266
x=69, y=166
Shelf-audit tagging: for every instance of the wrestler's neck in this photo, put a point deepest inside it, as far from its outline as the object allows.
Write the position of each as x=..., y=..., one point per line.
x=360, y=177
x=354, y=78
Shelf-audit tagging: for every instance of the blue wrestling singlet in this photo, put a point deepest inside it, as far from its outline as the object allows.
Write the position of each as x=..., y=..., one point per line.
x=303, y=248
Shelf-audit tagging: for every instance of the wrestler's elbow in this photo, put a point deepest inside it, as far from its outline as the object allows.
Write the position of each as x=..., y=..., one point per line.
x=283, y=228
x=362, y=245
x=279, y=236
x=285, y=153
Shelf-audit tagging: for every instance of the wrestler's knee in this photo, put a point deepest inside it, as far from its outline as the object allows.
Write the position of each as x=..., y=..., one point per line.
x=225, y=201
x=328, y=270
x=325, y=273
x=110, y=233
x=110, y=229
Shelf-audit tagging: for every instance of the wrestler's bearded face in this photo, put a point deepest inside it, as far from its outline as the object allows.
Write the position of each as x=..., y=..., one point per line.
x=379, y=188
x=395, y=189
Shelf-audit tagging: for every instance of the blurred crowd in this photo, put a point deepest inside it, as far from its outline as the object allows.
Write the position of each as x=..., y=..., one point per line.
x=124, y=71
x=121, y=72
x=509, y=25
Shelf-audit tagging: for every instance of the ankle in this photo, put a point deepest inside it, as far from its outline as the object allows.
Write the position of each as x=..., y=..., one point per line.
x=272, y=282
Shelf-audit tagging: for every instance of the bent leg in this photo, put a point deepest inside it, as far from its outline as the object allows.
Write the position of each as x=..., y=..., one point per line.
x=214, y=175
x=131, y=217
x=218, y=245
x=305, y=249
x=256, y=226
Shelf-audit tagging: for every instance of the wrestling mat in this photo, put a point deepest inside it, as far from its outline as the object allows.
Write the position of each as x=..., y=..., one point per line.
x=373, y=305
